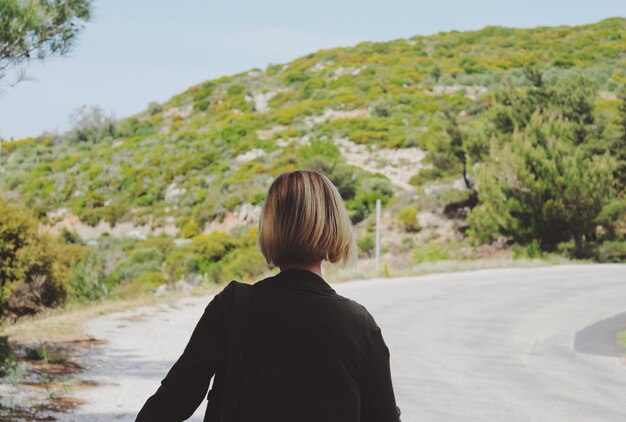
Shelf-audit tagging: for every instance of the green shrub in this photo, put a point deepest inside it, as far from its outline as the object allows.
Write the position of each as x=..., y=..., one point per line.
x=140, y=261
x=366, y=243
x=530, y=251
x=242, y=264
x=87, y=279
x=369, y=190
x=612, y=251
x=407, y=218
x=430, y=253
x=407, y=243
x=8, y=361
x=30, y=273
x=154, y=108
x=47, y=353
x=190, y=229
x=212, y=247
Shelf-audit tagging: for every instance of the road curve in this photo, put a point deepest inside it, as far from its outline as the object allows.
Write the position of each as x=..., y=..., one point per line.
x=493, y=345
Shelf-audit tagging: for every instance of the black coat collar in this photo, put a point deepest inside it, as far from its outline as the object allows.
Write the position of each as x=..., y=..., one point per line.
x=299, y=278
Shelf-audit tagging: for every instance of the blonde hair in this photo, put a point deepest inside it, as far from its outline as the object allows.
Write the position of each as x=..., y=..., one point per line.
x=304, y=220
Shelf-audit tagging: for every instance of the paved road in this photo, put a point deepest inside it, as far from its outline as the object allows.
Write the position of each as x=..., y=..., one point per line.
x=495, y=345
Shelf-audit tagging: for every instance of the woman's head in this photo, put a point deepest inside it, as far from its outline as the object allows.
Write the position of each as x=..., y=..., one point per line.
x=304, y=220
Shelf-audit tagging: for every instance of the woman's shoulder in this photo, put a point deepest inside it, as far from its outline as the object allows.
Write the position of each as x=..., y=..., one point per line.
x=359, y=313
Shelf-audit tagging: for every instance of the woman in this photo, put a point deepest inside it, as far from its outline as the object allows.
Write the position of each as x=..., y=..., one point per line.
x=310, y=354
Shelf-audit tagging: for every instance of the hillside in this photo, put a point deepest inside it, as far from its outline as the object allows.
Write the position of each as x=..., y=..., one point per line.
x=374, y=117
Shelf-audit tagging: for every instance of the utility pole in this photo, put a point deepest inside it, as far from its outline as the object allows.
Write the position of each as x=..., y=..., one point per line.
x=377, y=236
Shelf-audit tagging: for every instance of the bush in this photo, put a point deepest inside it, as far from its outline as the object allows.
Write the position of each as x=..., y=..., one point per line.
x=190, y=229
x=140, y=261
x=210, y=248
x=366, y=243
x=154, y=108
x=29, y=265
x=530, y=251
x=87, y=279
x=430, y=253
x=613, y=251
x=243, y=264
x=369, y=190
x=8, y=362
x=407, y=218
x=45, y=352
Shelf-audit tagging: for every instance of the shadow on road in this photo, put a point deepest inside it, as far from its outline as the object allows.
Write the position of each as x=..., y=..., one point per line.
x=601, y=338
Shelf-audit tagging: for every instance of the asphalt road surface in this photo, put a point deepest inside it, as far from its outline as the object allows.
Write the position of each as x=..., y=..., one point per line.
x=494, y=345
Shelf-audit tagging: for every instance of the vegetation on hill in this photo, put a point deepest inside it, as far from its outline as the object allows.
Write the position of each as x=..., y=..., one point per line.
x=531, y=122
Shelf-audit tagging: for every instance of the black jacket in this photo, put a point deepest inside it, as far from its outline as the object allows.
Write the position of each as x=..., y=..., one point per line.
x=310, y=355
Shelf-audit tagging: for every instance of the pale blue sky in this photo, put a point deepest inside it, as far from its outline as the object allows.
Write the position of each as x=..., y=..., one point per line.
x=137, y=51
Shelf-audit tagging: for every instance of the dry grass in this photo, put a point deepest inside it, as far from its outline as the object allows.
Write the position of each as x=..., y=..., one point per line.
x=65, y=325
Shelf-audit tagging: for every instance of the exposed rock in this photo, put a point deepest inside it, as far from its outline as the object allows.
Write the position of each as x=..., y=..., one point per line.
x=250, y=155
x=264, y=135
x=173, y=193
x=341, y=71
x=181, y=242
x=183, y=111
x=194, y=279
x=248, y=213
x=57, y=214
x=330, y=114
x=399, y=165
x=183, y=286
x=68, y=220
x=261, y=100
x=606, y=95
x=438, y=225
x=229, y=222
x=457, y=184
x=161, y=290
x=472, y=92
x=319, y=66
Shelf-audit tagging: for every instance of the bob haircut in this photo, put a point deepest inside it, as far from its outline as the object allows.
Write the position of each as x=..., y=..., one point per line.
x=304, y=220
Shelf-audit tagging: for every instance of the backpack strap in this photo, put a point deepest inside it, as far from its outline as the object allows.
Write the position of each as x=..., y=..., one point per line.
x=234, y=359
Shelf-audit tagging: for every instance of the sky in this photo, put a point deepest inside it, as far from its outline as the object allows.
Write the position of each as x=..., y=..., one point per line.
x=135, y=52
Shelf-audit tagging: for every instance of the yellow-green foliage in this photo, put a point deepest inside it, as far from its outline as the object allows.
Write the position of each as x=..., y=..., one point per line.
x=430, y=252
x=10, y=146
x=366, y=243
x=408, y=93
x=30, y=269
x=407, y=218
x=129, y=164
x=213, y=246
x=190, y=229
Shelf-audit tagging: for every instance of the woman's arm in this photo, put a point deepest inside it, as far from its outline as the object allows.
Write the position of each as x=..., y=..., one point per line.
x=378, y=403
x=187, y=382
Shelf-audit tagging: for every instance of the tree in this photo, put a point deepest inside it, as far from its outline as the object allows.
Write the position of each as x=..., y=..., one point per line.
x=36, y=29
x=618, y=147
x=514, y=108
x=91, y=124
x=542, y=186
x=552, y=169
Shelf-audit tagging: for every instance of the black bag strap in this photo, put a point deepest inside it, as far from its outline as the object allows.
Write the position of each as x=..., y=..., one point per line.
x=234, y=359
